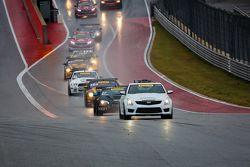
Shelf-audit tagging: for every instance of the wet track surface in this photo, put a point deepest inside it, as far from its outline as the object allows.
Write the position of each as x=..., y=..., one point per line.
x=77, y=138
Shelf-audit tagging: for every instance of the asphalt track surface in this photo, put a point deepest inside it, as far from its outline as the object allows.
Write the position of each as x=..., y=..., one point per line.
x=28, y=138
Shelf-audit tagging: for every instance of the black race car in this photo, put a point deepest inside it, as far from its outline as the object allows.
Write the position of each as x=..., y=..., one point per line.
x=117, y=4
x=75, y=65
x=95, y=87
x=90, y=58
x=94, y=29
x=108, y=100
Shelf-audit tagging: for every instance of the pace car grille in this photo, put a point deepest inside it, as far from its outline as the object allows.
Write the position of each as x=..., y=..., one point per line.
x=149, y=110
x=148, y=102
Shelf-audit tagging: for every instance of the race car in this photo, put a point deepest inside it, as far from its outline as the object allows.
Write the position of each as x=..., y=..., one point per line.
x=82, y=41
x=108, y=101
x=95, y=87
x=72, y=65
x=79, y=80
x=89, y=57
x=94, y=29
x=85, y=8
x=146, y=99
x=110, y=4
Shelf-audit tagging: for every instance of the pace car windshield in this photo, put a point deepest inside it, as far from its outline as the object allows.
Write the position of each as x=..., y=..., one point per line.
x=146, y=88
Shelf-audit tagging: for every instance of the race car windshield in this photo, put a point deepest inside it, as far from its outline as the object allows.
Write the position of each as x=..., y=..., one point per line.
x=103, y=84
x=146, y=88
x=82, y=36
x=76, y=62
x=110, y=92
x=85, y=3
x=85, y=75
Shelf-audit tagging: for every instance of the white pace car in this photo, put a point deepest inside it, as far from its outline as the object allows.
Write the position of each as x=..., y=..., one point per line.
x=79, y=80
x=146, y=99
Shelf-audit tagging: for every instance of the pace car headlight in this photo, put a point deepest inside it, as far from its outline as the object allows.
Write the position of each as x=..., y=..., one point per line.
x=104, y=102
x=167, y=101
x=130, y=102
x=68, y=69
x=89, y=42
x=90, y=94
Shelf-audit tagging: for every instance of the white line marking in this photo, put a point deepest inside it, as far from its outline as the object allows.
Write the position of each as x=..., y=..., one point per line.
x=149, y=65
x=106, y=50
x=26, y=69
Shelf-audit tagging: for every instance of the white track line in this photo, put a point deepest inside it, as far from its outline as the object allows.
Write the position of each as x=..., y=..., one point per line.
x=104, y=57
x=26, y=69
x=149, y=65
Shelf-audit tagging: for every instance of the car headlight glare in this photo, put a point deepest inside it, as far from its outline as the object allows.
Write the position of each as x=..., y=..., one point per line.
x=93, y=9
x=97, y=34
x=130, y=102
x=89, y=42
x=90, y=69
x=72, y=42
x=68, y=69
x=90, y=94
x=93, y=61
x=167, y=101
x=104, y=102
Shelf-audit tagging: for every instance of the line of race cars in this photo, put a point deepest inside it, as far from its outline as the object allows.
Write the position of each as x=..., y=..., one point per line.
x=140, y=98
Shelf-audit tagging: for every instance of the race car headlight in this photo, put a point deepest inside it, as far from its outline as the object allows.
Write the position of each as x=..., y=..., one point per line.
x=93, y=9
x=90, y=69
x=93, y=61
x=167, y=101
x=130, y=102
x=68, y=69
x=72, y=42
x=90, y=94
x=89, y=42
x=104, y=102
x=102, y=2
x=97, y=33
x=79, y=10
x=118, y=1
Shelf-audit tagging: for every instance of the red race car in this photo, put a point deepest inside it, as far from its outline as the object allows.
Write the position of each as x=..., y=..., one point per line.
x=110, y=4
x=85, y=8
x=82, y=41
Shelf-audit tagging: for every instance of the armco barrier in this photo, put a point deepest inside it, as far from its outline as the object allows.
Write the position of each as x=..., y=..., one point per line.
x=236, y=68
x=37, y=21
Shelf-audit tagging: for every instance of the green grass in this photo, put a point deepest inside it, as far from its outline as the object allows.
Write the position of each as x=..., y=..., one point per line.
x=182, y=66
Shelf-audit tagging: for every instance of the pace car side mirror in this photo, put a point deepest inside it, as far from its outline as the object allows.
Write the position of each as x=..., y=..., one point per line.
x=170, y=91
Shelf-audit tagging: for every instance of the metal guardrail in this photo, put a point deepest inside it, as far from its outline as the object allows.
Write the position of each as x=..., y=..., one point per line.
x=236, y=68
